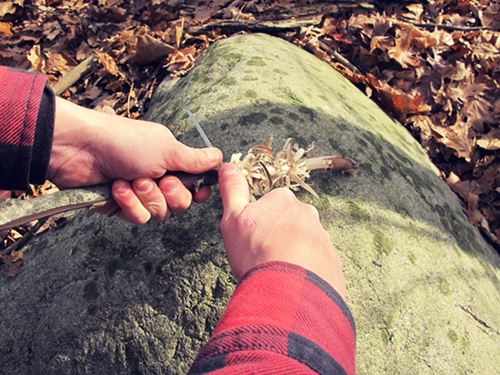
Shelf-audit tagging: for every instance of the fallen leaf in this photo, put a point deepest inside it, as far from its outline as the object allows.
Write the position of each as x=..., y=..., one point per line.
x=402, y=52
x=181, y=60
x=457, y=139
x=463, y=188
x=477, y=113
x=469, y=191
x=149, y=49
x=36, y=59
x=179, y=31
x=109, y=64
x=57, y=63
x=491, y=16
x=6, y=29
x=490, y=141
x=8, y=7
x=13, y=262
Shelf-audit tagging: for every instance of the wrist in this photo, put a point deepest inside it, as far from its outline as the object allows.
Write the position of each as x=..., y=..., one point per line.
x=75, y=136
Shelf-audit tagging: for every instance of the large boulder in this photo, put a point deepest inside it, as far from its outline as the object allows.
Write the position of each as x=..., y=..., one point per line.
x=99, y=296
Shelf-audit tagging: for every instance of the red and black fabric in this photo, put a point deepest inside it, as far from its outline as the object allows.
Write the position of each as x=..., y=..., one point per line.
x=282, y=319
x=27, y=110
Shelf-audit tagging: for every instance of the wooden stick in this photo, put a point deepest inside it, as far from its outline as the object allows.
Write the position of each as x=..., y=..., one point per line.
x=337, y=164
x=70, y=78
x=16, y=212
x=447, y=27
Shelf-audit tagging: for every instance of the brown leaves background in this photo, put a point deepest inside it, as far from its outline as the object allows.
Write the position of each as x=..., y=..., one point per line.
x=434, y=67
x=433, y=64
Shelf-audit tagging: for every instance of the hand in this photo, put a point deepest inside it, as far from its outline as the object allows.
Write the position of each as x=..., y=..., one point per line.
x=277, y=227
x=92, y=147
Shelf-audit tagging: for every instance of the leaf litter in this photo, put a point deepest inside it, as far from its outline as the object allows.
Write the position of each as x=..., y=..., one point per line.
x=433, y=65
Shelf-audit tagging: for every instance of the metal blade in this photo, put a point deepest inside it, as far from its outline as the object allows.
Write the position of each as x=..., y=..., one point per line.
x=197, y=125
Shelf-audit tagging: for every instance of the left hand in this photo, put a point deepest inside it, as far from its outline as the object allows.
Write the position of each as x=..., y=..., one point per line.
x=277, y=227
x=92, y=147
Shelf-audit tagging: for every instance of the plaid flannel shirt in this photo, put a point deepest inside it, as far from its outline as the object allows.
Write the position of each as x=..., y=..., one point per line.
x=282, y=319
x=26, y=128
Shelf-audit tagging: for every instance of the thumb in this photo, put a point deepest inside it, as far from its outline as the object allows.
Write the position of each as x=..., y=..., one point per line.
x=234, y=190
x=193, y=160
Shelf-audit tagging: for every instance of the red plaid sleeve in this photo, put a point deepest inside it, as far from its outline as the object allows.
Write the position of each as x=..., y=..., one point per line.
x=26, y=128
x=282, y=319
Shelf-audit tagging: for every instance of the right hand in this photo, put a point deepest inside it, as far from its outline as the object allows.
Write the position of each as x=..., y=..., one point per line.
x=277, y=227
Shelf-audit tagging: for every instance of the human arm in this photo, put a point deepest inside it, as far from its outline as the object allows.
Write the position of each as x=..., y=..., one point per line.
x=131, y=153
x=287, y=313
x=42, y=136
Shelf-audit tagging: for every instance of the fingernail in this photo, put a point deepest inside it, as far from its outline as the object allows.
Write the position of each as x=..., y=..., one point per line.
x=213, y=155
x=120, y=188
x=145, y=186
x=169, y=186
x=230, y=168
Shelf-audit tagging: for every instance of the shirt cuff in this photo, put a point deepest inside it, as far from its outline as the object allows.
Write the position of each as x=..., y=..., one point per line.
x=27, y=112
x=282, y=315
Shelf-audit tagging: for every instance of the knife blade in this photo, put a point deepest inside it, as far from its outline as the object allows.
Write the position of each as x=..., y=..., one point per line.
x=197, y=125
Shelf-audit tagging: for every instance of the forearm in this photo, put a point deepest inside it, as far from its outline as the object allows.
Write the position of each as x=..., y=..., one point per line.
x=281, y=316
x=26, y=128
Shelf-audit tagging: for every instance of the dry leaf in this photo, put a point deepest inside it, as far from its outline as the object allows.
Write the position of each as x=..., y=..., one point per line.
x=490, y=141
x=491, y=16
x=403, y=52
x=456, y=138
x=36, y=59
x=109, y=64
x=8, y=7
x=179, y=30
x=149, y=49
x=13, y=262
x=6, y=29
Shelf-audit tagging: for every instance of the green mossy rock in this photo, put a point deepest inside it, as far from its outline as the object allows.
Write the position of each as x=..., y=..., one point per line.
x=99, y=296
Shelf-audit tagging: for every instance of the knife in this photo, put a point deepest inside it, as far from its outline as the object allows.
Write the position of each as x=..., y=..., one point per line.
x=16, y=212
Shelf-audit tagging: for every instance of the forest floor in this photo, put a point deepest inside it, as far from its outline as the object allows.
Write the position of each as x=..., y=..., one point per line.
x=431, y=64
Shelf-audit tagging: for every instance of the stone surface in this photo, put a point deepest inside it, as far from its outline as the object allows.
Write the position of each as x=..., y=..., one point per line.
x=102, y=296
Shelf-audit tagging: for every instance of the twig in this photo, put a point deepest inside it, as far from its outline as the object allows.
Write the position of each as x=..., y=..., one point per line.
x=70, y=78
x=26, y=236
x=332, y=163
x=447, y=27
x=337, y=56
x=277, y=21
x=252, y=26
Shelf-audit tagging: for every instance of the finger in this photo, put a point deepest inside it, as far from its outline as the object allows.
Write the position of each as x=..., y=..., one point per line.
x=178, y=198
x=132, y=209
x=151, y=198
x=203, y=194
x=193, y=160
x=5, y=194
x=110, y=208
x=234, y=190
